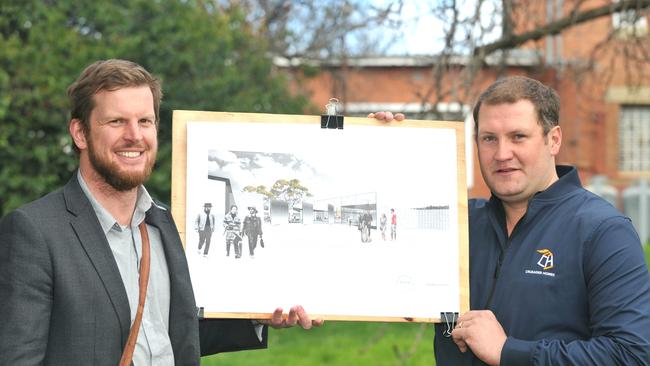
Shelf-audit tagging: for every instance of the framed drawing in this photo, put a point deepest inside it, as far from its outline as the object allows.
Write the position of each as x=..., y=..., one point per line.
x=364, y=223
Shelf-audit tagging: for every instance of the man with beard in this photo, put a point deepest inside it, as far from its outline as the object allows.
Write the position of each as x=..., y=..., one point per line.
x=252, y=228
x=94, y=273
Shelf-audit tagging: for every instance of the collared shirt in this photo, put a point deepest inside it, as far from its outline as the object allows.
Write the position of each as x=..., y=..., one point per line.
x=153, y=346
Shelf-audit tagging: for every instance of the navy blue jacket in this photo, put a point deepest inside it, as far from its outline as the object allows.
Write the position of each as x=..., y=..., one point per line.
x=570, y=286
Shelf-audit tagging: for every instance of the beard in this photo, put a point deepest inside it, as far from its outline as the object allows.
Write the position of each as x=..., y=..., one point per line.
x=120, y=180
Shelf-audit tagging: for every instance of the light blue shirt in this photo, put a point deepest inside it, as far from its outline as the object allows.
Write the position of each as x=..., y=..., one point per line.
x=153, y=346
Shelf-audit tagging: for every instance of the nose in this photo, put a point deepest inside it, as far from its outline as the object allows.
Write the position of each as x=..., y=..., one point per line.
x=504, y=150
x=133, y=130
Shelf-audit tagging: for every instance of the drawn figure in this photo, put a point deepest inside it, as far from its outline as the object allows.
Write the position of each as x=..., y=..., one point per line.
x=365, y=223
x=393, y=224
x=204, y=225
x=252, y=229
x=232, y=230
x=382, y=226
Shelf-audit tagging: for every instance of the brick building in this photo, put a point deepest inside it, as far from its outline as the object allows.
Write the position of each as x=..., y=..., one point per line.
x=605, y=114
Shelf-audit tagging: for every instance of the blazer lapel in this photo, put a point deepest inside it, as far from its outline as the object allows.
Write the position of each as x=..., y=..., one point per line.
x=92, y=239
x=176, y=262
x=183, y=329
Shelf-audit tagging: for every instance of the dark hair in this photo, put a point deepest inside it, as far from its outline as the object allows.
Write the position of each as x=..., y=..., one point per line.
x=515, y=88
x=108, y=75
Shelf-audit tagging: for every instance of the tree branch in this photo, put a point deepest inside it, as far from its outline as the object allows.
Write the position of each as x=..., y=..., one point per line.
x=558, y=26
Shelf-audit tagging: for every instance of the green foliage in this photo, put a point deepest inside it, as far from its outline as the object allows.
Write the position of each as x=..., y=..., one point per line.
x=261, y=189
x=340, y=343
x=207, y=60
x=290, y=190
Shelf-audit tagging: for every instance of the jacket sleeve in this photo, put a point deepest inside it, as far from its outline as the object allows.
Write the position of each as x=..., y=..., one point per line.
x=226, y=335
x=618, y=286
x=25, y=292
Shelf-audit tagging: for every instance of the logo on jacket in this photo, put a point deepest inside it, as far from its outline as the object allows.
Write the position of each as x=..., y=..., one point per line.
x=546, y=260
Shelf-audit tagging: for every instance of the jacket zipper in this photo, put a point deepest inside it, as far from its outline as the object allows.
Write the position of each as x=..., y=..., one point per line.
x=497, y=271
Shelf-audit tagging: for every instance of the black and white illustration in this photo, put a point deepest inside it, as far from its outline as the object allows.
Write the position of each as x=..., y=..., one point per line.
x=361, y=221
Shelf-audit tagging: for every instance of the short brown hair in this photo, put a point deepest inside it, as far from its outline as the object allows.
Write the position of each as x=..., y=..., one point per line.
x=515, y=88
x=108, y=75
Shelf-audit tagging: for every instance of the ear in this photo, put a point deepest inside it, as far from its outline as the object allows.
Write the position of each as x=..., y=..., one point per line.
x=555, y=139
x=77, y=133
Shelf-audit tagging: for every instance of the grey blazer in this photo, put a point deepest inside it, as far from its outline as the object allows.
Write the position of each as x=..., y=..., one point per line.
x=62, y=300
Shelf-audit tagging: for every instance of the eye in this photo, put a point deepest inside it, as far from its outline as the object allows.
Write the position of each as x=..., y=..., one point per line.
x=116, y=122
x=146, y=121
x=519, y=136
x=488, y=138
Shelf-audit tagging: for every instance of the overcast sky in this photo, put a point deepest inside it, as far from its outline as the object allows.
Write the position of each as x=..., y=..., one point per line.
x=420, y=33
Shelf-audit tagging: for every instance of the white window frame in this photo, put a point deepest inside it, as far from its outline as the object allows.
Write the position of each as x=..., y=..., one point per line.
x=629, y=23
x=634, y=138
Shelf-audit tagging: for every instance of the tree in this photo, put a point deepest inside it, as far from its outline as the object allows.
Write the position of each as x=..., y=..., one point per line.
x=492, y=32
x=208, y=59
x=321, y=29
x=290, y=191
x=261, y=189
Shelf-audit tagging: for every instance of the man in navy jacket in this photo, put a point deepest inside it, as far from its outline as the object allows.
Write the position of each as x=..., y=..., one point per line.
x=557, y=275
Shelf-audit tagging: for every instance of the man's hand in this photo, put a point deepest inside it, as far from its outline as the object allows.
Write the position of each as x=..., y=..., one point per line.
x=387, y=116
x=297, y=316
x=481, y=332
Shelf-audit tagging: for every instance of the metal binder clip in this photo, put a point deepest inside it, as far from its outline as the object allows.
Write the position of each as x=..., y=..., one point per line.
x=332, y=119
x=450, y=322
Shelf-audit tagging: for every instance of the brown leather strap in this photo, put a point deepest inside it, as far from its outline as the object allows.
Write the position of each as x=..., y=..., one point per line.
x=127, y=355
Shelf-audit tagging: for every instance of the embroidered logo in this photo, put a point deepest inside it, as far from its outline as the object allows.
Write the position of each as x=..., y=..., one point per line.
x=546, y=260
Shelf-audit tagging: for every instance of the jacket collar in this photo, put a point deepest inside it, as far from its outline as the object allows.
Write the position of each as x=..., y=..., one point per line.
x=568, y=182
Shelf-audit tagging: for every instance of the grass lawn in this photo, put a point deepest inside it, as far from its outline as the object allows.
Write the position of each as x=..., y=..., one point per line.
x=340, y=343
x=344, y=343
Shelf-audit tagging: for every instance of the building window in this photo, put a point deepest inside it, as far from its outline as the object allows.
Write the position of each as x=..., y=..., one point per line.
x=630, y=23
x=634, y=138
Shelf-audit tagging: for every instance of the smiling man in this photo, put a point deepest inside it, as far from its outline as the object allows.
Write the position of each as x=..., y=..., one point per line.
x=94, y=273
x=557, y=275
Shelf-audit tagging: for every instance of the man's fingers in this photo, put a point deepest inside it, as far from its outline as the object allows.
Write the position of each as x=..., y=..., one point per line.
x=297, y=316
x=292, y=319
x=303, y=318
x=458, y=336
x=276, y=319
x=387, y=116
